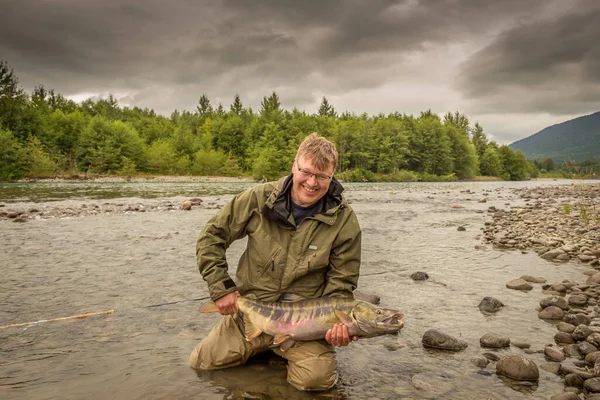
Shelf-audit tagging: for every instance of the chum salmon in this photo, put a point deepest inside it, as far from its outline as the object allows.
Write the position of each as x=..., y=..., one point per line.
x=310, y=319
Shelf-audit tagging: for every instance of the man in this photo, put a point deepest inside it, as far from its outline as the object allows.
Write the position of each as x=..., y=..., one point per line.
x=304, y=241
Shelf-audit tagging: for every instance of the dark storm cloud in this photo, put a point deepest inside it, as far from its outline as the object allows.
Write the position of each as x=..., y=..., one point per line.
x=165, y=54
x=551, y=65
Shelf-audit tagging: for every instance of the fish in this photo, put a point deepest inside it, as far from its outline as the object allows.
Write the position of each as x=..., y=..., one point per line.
x=310, y=319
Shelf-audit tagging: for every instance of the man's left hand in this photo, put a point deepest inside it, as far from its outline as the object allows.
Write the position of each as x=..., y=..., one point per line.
x=338, y=336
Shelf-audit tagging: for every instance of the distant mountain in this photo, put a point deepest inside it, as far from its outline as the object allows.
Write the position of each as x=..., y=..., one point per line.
x=577, y=139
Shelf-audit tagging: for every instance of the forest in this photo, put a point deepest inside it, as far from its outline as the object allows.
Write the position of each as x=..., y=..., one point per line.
x=43, y=134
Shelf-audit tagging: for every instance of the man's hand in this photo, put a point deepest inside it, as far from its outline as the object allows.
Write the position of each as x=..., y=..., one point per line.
x=227, y=304
x=338, y=336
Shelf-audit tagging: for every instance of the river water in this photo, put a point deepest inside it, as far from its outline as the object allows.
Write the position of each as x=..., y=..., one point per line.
x=142, y=266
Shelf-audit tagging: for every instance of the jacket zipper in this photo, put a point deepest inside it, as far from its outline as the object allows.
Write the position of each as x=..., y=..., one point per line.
x=273, y=264
x=309, y=264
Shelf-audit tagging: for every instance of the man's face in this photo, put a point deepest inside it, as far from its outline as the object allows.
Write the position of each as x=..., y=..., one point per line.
x=310, y=183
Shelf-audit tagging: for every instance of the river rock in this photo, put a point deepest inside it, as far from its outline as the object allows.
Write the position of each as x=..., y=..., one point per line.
x=518, y=367
x=592, y=384
x=573, y=380
x=586, y=348
x=519, y=284
x=480, y=362
x=564, y=327
x=565, y=396
x=594, y=278
x=563, y=338
x=186, y=205
x=554, y=353
x=581, y=332
x=552, y=254
x=592, y=357
x=438, y=340
x=419, y=276
x=577, y=300
x=594, y=338
x=551, y=312
x=370, y=298
x=494, y=341
x=533, y=279
x=490, y=305
x=557, y=301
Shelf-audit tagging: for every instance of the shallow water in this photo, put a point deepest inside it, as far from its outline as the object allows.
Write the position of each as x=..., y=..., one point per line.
x=142, y=265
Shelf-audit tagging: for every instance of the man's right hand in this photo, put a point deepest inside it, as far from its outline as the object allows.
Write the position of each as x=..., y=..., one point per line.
x=227, y=304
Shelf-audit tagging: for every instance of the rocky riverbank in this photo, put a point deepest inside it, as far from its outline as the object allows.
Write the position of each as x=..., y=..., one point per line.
x=560, y=224
x=137, y=179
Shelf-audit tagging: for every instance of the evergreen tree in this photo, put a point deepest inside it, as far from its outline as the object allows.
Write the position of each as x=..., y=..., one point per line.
x=204, y=108
x=326, y=109
x=237, y=108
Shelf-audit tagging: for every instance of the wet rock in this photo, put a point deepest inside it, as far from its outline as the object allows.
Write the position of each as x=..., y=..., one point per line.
x=461, y=228
x=586, y=348
x=581, y=332
x=592, y=384
x=552, y=367
x=480, y=362
x=573, y=380
x=592, y=357
x=594, y=278
x=494, y=341
x=564, y=327
x=196, y=201
x=520, y=345
x=419, y=276
x=557, y=301
x=566, y=369
x=370, y=298
x=551, y=312
x=565, y=396
x=533, y=279
x=517, y=367
x=577, y=300
x=491, y=356
x=594, y=338
x=563, y=338
x=519, y=284
x=552, y=254
x=490, y=305
x=554, y=353
x=577, y=319
x=438, y=340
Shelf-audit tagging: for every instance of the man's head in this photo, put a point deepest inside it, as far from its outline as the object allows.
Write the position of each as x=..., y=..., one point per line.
x=313, y=169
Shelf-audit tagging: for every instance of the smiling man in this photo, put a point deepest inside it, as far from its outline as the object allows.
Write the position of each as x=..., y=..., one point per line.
x=304, y=241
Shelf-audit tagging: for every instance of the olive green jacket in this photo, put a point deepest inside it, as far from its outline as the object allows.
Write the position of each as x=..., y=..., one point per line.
x=320, y=257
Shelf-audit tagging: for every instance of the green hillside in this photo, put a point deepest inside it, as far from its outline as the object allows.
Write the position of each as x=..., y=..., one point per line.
x=577, y=139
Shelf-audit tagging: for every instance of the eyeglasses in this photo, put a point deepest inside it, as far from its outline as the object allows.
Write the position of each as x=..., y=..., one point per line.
x=307, y=174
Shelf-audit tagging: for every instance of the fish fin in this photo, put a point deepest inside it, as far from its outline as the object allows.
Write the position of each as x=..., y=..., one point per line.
x=343, y=317
x=208, y=307
x=287, y=344
x=278, y=339
x=250, y=330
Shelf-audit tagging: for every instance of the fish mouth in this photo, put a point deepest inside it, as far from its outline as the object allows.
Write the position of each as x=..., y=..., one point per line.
x=393, y=321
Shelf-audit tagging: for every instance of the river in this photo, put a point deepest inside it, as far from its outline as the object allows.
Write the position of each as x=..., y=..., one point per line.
x=142, y=266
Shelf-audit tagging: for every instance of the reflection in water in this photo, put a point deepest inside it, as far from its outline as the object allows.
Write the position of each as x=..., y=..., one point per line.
x=129, y=262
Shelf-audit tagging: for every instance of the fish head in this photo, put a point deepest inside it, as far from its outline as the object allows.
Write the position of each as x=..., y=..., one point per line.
x=374, y=320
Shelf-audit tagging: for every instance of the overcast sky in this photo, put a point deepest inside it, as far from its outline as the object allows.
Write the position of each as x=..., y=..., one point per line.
x=514, y=66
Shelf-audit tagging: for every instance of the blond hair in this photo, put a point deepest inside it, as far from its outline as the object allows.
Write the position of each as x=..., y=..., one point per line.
x=320, y=151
